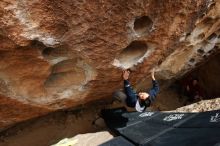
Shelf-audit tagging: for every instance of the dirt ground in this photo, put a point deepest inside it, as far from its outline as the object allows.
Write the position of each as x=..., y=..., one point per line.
x=52, y=128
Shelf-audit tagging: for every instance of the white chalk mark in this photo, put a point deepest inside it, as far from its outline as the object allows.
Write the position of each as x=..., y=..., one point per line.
x=146, y=114
x=173, y=117
x=215, y=118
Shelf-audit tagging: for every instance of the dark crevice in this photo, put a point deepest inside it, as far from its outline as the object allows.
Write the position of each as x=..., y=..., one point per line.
x=47, y=51
x=143, y=25
x=212, y=36
x=207, y=75
x=201, y=51
x=192, y=60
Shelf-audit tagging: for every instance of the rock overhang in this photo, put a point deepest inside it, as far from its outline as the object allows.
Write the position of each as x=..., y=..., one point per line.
x=61, y=54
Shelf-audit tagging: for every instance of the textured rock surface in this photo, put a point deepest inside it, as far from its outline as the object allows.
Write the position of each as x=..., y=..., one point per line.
x=195, y=46
x=12, y=111
x=202, y=106
x=58, y=54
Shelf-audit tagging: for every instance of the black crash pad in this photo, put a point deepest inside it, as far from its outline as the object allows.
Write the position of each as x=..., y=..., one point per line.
x=141, y=132
x=165, y=129
x=117, y=141
x=187, y=137
x=203, y=120
x=119, y=117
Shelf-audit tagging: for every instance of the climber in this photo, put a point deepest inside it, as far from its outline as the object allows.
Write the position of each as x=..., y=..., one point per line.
x=140, y=101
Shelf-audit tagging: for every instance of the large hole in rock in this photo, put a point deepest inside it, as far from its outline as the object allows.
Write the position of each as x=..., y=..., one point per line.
x=71, y=75
x=49, y=52
x=133, y=54
x=143, y=25
x=74, y=76
x=56, y=55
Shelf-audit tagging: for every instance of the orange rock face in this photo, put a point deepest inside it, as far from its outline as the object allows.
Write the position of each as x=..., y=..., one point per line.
x=12, y=111
x=59, y=54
